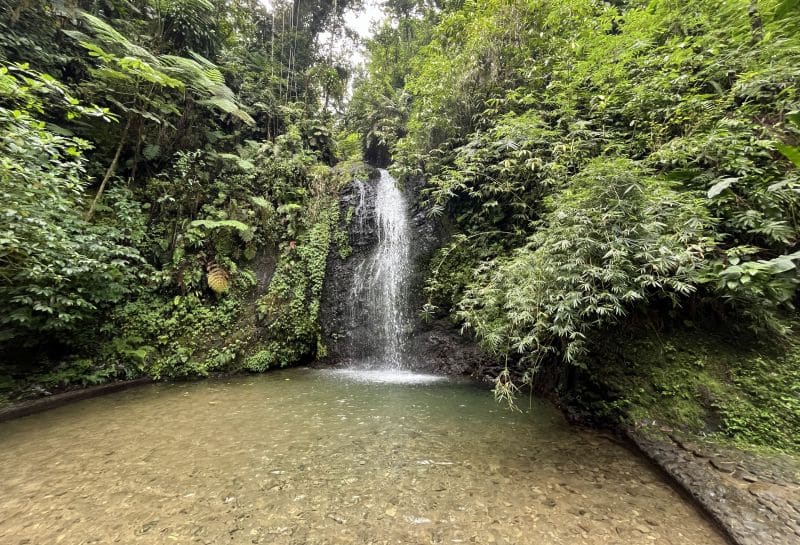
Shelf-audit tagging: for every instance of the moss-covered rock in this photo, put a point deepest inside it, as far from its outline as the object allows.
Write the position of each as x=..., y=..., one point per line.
x=702, y=381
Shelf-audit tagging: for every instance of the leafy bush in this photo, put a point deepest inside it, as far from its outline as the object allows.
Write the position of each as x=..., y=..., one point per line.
x=57, y=268
x=179, y=337
x=616, y=239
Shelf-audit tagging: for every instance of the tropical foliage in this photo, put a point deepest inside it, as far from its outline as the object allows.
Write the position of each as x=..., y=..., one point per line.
x=599, y=159
x=601, y=166
x=57, y=268
x=159, y=161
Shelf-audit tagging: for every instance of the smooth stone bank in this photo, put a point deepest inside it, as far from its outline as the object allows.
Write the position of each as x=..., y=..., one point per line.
x=754, y=497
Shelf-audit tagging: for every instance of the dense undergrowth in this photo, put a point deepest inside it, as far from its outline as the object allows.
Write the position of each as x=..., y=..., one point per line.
x=169, y=188
x=603, y=163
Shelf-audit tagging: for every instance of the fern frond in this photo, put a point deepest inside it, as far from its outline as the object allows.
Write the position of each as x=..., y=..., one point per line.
x=229, y=107
x=108, y=35
x=205, y=79
x=209, y=68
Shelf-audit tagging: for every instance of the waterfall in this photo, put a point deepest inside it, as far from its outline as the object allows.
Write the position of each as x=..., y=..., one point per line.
x=380, y=284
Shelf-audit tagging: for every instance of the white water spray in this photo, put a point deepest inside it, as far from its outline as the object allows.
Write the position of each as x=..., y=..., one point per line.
x=381, y=281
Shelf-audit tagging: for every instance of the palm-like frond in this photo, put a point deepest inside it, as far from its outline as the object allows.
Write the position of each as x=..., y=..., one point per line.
x=109, y=36
x=210, y=69
x=205, y=79
x=198, y=74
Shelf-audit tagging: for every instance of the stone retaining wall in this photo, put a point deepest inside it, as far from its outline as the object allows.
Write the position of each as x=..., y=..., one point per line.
x=33, y=406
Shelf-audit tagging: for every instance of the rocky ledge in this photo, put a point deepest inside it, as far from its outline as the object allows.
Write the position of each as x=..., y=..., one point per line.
x=753, y=497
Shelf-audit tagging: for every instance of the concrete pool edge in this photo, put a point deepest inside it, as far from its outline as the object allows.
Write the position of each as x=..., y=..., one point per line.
x=41, y=404
x=745, y=515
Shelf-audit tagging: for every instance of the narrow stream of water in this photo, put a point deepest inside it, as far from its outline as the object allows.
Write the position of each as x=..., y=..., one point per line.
x=380, y=282
x=312, y=457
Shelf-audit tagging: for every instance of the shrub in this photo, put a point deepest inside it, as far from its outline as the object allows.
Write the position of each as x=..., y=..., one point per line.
x=616, y=239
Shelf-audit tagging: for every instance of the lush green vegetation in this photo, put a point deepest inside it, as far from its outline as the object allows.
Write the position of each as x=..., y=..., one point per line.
x=170, y=190
x=704, y=381
x=604, y=165
x=165, y=170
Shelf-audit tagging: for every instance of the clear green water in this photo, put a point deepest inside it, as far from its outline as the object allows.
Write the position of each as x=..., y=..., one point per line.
x=312, y=457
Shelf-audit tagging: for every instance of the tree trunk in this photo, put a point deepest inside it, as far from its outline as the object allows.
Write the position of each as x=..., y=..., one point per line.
x=756, y=24
x=111, y=169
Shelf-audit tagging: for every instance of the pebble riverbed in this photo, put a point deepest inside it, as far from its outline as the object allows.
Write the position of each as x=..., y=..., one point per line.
x=312, y=457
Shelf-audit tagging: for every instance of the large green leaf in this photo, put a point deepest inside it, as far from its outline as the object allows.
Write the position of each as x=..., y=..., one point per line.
x=220, y=224
x=791, y=153
x=720, y=186
x=787, y=8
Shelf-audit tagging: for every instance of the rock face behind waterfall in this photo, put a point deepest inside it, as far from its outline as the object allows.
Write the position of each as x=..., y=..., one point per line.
x=348, y=317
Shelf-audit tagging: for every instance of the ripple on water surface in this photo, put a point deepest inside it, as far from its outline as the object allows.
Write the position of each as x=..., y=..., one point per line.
x=314, y=457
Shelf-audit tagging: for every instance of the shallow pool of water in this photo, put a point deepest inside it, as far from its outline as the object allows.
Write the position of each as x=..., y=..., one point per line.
x=316, y=457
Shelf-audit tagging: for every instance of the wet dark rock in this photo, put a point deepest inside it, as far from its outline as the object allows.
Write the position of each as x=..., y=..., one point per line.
x=434, y=346
x=723, y=465
x=377, y=154
x=445, y=351
x=340, y=331
x=264, y=264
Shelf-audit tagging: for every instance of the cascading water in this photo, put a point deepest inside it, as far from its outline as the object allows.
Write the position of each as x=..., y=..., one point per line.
x=380, y=284
x=373, y=290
